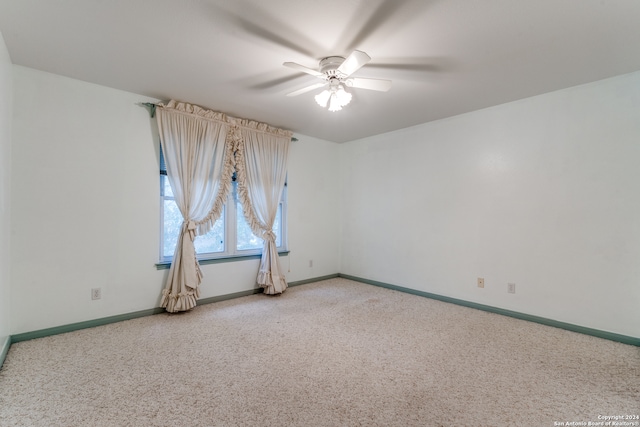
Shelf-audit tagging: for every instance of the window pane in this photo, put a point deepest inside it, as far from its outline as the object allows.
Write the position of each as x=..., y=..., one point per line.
x=167, y=187
x=213, y=241
x=245, y=239
x=172, y=224
x=277, y=226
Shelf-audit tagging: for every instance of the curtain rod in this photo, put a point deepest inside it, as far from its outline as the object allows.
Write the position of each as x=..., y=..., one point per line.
x=152, y=111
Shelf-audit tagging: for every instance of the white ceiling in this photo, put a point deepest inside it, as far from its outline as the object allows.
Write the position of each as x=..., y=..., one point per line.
x=445, y=57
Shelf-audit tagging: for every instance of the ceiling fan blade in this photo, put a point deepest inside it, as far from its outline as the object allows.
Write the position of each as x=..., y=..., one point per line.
x=270, y=84
x=353, y=62
x=260, y=23
x=266, y=34
x=372, y=84
x=306, y=89
x=379, y=21
x=303, y=69
x=408, y=67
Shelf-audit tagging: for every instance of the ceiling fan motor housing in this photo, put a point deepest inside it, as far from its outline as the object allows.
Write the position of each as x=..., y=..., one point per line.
x=329, y=67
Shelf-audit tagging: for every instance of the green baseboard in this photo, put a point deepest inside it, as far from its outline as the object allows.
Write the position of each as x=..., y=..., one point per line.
x=260, y=290
x=523, y=316
x=314, y=279
x=127, y=316
x=83, y=325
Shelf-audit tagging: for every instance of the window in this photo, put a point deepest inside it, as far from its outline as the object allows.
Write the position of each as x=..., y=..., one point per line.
x=231, y=236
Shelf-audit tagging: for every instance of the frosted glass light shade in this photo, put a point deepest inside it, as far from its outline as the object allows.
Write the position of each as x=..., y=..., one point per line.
x=334, y=103
x=322, y=98
x=335, y=96
x=344, y=97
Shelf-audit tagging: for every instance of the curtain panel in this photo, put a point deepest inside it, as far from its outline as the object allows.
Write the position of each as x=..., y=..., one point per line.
x=200, y=164
x=261, y=165
x=202, y=149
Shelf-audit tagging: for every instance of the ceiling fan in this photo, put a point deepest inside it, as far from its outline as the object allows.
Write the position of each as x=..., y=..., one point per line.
x=335, y=73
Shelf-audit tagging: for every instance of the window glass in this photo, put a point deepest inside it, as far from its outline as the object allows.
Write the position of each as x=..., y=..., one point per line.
x=246, y=239
x=211, y=242
x=230, y=236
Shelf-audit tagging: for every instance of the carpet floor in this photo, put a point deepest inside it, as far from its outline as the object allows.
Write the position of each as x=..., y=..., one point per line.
x=330, y=353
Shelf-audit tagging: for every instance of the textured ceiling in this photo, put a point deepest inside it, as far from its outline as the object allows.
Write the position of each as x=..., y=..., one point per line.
x=445, y=57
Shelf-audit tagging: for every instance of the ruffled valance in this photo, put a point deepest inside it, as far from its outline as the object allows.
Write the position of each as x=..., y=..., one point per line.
x=253, y=125
x=259, y=127
x=183, y=107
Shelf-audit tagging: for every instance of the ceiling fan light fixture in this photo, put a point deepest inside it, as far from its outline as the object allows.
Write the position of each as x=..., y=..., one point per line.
x=335, y=71
x=334, y=103
x=323, y=98
x=343, y=96
x=335, y=96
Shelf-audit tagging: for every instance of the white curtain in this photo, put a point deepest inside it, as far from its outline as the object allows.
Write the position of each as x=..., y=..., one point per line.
x=198, y=151
x=261, y=164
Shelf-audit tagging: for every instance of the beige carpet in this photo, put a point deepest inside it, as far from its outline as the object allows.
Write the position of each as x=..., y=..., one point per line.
x=331, y=353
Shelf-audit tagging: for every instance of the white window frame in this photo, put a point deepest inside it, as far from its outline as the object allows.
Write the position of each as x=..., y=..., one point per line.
x=230, y=239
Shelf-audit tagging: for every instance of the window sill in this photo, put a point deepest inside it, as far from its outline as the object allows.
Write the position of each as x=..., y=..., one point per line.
x=164, y=265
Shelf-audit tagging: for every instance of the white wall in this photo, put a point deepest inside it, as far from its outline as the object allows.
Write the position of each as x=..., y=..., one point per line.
x=84, y=202
x=540, y=192
x=6, y=96
x=85, y=206
x=543, y=192
x=314, y=208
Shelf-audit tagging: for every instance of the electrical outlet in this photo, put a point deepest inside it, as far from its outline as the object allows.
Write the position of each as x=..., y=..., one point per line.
x=511, y=288
x=96, y=293
x=480, y=282
x=310, y=263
